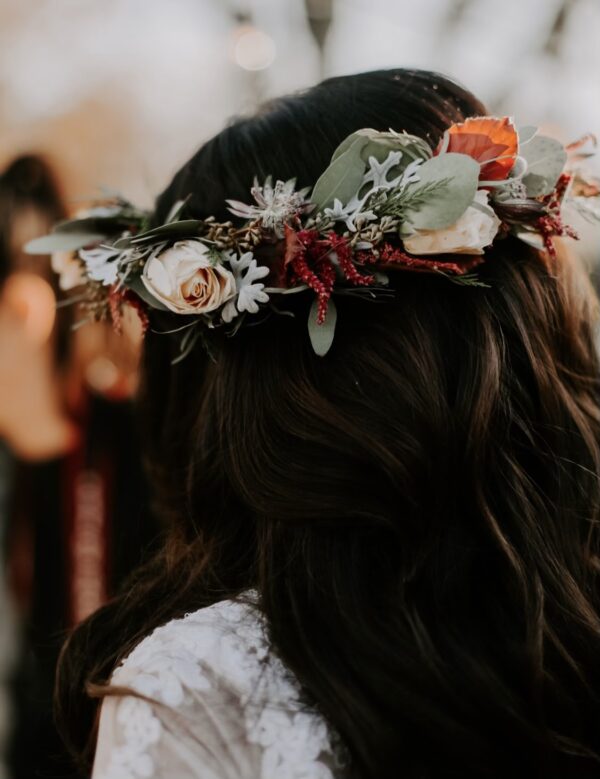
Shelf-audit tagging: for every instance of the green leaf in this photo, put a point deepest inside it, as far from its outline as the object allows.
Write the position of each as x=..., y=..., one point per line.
x=321, y=336
x=176, y=210
x=108, y=225
x=343, y=177
x=62, y=242
x=381, y=143
x=414, y=148
x=185, y=228
x=73, y=234
x=546, y=158
x=345, y=145
x=531, y=238
x=446, y=188
x=526, y=134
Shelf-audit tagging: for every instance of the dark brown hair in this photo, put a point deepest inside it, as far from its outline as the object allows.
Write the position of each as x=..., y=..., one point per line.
x=418, y=510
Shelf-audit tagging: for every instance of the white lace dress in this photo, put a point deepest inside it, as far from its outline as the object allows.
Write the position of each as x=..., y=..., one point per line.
x=217, y=704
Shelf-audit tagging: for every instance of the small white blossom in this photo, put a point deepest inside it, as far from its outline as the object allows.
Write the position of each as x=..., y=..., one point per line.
x=250, y=294
x=275, y=204
x=101, y=263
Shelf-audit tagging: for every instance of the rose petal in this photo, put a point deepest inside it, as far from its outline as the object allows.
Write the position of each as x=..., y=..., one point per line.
x=158, y=276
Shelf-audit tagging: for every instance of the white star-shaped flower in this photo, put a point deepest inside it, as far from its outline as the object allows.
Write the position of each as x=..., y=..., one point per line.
x=275, y=205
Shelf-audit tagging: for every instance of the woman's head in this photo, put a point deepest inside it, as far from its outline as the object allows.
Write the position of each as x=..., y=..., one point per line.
x=294, y=137
x=418, y=510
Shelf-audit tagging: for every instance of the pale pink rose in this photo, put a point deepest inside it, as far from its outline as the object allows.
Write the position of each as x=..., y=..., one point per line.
x=475, y=230
x=186, y=281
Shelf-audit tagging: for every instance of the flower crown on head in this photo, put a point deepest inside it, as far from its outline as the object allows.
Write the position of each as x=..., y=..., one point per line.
x=387, y=201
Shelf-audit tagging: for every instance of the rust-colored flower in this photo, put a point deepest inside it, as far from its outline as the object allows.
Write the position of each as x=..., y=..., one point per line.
x=487, y=140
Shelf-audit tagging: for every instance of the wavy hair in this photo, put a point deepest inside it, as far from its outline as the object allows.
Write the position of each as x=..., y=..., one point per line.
x=418, y=510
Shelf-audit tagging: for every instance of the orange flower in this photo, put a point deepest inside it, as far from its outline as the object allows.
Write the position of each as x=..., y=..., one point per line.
x=485, y=139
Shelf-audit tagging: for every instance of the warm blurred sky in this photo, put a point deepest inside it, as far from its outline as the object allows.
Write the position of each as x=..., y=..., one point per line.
x=121, y=92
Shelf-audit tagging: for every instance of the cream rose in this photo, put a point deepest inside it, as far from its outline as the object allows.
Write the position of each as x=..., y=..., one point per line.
x=186, y=281
x=475, y=230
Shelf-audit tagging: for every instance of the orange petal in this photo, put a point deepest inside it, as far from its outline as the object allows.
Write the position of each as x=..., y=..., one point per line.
x=293, y=244
x=485, y=138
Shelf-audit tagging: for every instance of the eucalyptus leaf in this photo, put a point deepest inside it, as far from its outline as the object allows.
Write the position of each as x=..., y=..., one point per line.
x=546, y=158
x=416, y=148
x=109, y=225
x=321, y=336
x=62, y=242
x=122, y=243
x=531, y=238
x=526, y=134
x=342, y=179
x=176, y=209
x=380, y=144
x=345, y=145
x=446, y=188
x=185, y=228
x=380, y=152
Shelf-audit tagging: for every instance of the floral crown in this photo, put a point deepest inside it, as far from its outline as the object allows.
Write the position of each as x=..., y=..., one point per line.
x=387, y=201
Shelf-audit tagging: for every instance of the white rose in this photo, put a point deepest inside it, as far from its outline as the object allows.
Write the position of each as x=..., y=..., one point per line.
x=475, y=230
x=186, y=281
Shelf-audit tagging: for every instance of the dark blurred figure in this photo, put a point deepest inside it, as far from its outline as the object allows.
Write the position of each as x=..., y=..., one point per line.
x=77, y=519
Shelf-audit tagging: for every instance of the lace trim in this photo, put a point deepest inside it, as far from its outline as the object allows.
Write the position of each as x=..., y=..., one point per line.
x=141, y=729
x=226, y=642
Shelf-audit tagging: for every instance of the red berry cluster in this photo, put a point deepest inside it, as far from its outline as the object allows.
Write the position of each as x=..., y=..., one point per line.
x=551, y=224
x=116, y=298
x=310, y=262
x=394, y=257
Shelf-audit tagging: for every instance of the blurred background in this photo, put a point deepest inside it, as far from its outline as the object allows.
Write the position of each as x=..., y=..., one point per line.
x=118, y=94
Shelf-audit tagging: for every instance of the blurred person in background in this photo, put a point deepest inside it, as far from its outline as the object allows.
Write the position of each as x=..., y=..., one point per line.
x=75, y=517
